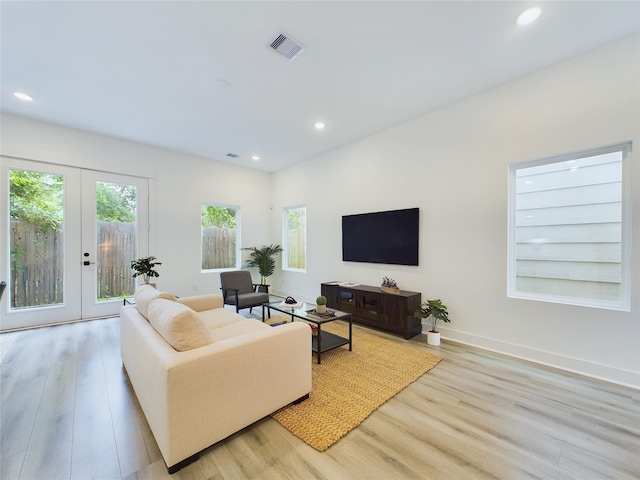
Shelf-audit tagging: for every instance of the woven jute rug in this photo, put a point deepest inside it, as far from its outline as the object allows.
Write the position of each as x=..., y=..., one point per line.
x=349, y=386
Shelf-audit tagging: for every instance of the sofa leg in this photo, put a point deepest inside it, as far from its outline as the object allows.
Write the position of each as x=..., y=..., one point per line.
x=301, y=399
x=183, y=463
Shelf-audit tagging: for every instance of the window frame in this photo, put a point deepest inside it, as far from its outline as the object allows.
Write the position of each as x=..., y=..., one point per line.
x=238, y=252
x=285, y=239
x=623, y=303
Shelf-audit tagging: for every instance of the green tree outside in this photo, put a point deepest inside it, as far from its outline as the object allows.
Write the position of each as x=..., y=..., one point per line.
x=218, y=217
x=115, y=202
x=36, y=198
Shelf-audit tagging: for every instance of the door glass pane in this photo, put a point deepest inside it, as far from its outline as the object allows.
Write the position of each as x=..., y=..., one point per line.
x=36, y=217
x=116, y=216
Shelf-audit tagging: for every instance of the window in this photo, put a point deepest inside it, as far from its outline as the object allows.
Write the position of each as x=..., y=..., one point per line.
x=295, y=238
x=569, y=229
x=220, y=235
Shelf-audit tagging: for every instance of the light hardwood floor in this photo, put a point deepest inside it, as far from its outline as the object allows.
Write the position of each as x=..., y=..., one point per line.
x=68, y=412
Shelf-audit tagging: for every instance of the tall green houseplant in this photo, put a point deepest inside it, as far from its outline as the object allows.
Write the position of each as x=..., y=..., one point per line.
x=263, y=258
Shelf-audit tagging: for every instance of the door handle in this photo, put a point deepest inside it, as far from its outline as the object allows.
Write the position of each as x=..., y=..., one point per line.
x=87, y=262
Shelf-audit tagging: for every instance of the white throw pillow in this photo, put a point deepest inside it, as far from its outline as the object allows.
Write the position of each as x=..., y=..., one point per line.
x=145, y=294
x=179, y=325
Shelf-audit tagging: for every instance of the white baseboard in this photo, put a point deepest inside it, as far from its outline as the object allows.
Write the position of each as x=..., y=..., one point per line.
x=569, y=364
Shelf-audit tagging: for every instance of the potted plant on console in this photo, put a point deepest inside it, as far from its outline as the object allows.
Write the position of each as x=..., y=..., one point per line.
x=433, y=310
x=389, y=285
x=145, y=267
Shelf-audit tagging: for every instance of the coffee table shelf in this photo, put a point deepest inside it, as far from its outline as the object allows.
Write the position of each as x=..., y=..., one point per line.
x=323, y=341
x=329, y=341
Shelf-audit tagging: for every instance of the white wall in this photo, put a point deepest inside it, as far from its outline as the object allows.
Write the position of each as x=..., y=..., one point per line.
x=180, y=184
x=452, y=164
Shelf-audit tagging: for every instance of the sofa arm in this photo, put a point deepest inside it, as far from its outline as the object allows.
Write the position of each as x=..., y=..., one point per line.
x=215, y=390
x=200, y=303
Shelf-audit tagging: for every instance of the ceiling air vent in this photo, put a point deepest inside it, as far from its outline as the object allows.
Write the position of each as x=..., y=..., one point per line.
x=286, y=46
x=232, y=155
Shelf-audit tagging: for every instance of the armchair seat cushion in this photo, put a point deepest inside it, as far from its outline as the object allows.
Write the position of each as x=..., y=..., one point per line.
x=247, y=299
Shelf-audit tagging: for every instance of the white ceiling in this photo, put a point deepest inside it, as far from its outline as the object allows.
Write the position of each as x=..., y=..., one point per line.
x=198, y=76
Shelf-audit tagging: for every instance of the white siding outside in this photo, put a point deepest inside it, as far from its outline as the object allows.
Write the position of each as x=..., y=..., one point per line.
x=567, y=229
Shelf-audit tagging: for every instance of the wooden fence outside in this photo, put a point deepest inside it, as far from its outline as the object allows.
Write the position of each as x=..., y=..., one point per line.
x=297, y=245
x=37, y=263
x=37, y=260
x=37, y=266
x=116, y=248
x=218, y=248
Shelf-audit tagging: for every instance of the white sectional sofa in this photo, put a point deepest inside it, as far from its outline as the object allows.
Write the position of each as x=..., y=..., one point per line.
x=202, y=372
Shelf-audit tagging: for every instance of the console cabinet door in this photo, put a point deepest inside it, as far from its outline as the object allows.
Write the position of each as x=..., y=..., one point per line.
x=392, y=313
x=332, y=293
x=369, y=309
x=346, y=300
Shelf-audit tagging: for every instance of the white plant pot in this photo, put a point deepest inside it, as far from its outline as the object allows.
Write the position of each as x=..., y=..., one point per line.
x=321, y=308
x=433, y=338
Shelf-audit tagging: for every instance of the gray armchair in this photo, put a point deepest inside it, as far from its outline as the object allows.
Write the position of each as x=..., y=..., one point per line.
x=239, y=290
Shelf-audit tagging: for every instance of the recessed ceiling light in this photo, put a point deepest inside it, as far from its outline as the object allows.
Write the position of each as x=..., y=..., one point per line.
x=23, y=96
x=255, y=157
x=529, y=16
x=319, y=125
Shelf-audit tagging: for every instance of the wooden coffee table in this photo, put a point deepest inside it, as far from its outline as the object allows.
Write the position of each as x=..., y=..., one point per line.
x=323, y=341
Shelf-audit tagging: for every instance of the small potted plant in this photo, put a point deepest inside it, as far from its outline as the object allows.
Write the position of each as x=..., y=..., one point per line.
x=321, y=304
x=433, y=310
x=389, y=285
x=145, y=267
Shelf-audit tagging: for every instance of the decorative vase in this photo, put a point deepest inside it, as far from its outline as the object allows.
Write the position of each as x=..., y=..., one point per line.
x=433, y=338
x=321, y=308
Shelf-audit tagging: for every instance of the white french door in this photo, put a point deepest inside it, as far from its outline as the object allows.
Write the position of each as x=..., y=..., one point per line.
x=110, y=239
x=68, y=236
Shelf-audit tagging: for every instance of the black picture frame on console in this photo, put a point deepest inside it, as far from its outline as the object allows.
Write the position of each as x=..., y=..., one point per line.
x=390, y=237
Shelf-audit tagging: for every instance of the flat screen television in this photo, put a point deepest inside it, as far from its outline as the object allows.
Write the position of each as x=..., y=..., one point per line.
x=381, y=237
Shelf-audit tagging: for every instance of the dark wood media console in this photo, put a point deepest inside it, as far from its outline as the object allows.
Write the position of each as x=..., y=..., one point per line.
x=371, y=306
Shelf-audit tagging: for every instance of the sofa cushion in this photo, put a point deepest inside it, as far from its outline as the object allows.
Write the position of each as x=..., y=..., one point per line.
x=237, y=329
x=220, y=317
x=180, y=326
x=145, y=294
